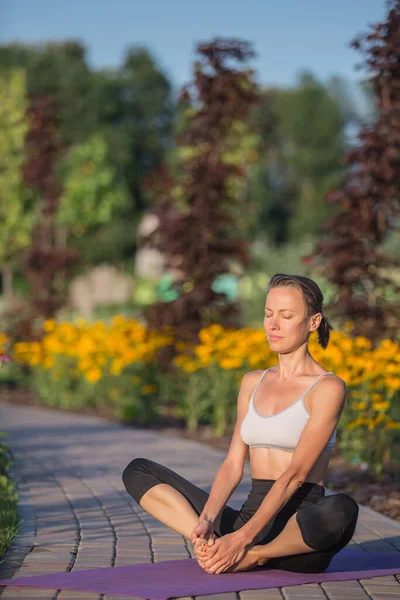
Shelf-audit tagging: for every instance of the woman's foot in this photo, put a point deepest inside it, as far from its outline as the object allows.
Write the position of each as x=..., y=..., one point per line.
x=249, y=561
x=200, y=549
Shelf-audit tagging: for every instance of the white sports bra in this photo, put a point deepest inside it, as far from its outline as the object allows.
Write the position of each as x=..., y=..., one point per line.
x=282, y=430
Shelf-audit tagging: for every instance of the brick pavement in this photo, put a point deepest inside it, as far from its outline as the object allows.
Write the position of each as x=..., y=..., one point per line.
x=76, y=513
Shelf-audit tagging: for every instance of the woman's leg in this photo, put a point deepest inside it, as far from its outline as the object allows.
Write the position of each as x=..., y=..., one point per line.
x=171, y=498
x=313, y=535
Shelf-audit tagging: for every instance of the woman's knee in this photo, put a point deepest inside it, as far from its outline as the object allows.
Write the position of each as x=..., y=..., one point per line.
x=330, y=523
x=343, y=508
x=133, y=471
x=136, y=465
x=342, y=511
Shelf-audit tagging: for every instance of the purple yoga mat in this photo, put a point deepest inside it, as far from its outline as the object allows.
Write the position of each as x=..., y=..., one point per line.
x=177, y=578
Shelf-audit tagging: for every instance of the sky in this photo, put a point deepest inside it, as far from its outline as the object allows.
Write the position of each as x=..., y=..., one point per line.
x=288, y=35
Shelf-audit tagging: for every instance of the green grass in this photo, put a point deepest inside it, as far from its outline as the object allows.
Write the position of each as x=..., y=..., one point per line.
x=8, y=524
x=8, y=502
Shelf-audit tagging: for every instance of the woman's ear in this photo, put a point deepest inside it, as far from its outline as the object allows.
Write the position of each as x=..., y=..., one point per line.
x=316, y=321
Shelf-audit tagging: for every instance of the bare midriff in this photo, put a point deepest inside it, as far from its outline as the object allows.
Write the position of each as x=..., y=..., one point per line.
x=270, y=463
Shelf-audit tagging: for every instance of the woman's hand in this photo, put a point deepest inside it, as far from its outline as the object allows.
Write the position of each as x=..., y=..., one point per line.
x=204, y=529
x=226, y=552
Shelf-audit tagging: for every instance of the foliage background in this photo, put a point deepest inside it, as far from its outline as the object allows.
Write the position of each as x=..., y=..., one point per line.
x=109, y=133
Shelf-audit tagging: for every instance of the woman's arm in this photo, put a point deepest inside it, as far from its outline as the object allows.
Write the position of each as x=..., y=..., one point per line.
x=230, y=472
x=225, y=483
x=279, y=494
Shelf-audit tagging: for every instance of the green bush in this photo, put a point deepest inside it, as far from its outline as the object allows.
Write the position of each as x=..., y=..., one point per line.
x=8, y=501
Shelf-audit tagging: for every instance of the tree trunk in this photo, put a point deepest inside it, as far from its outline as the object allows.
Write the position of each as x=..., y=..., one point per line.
x=7, y=283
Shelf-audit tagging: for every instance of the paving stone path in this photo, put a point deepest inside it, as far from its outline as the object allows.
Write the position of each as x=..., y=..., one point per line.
x=77, y=515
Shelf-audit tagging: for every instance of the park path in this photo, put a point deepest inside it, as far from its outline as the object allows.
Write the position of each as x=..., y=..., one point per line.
x=77, y=515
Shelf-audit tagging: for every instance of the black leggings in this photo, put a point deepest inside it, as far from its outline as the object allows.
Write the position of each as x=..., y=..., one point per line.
x=327, y=523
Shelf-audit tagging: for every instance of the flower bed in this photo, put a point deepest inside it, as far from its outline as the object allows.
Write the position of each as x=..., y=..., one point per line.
x=116, y=365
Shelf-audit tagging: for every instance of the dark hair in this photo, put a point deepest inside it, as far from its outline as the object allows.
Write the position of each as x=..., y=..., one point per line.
x=313, y=298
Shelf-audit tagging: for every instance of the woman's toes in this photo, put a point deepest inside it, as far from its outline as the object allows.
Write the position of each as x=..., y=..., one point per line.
x=211, y=541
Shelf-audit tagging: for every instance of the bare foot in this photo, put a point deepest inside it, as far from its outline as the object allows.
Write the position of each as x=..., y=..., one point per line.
x=250, y=560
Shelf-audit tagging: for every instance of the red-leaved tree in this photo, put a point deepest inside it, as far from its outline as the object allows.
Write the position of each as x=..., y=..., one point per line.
x=350, y=253
x=199, y=232
x=47, y=261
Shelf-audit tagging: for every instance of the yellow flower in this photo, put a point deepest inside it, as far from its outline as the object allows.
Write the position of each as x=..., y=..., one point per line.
x=4, y=341
x=393, y=383
x=190, y=367
x=359, y=405
x=21, y=347
x=205, y=361
x=180, y=361
x=49, y=325
x=358, y=422
x=230, y=363
x=381, y=405
x=48, y=362
x=116, y=368
x=93, y=375
x=203, y=351
x=372, y=424
x=363, y=343
x=215, y=330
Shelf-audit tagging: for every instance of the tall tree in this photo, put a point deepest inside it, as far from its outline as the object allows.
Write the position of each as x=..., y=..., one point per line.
x=301, y=133
x=270, y=188
x=351, y=254
x=135, y=109
x=136, y=118
x=311, y=127
x=198, y=231
x=91, y=195
x=92, y=201
x=60, y=71
x=46, y=261
x=132, y=107
x=17, y=214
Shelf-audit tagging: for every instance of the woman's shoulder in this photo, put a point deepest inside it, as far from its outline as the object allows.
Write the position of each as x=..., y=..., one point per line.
x=332, y=384
x=251, y=378
x=330, y=376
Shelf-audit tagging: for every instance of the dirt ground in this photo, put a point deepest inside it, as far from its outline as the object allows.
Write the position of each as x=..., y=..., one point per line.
x=382, y=496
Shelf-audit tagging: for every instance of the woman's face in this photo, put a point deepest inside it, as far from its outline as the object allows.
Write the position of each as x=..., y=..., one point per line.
x=286, y=323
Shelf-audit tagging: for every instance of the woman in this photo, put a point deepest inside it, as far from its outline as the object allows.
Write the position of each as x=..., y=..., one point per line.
x=286, y=420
